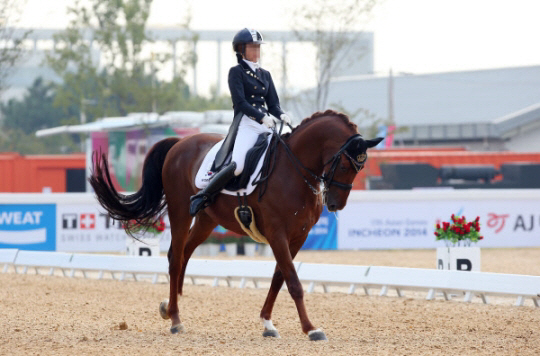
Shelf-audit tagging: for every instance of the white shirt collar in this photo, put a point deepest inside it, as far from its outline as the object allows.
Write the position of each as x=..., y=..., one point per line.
x=253, y=65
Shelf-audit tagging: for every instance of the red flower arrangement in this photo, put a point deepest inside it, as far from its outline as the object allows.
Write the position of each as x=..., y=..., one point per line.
x=459, y=231
x=155, y=229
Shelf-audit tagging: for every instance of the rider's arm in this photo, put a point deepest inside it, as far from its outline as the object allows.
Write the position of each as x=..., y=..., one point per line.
x=236, y=86
x=272, y=99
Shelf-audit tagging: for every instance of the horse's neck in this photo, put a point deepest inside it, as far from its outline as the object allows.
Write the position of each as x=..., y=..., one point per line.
x=309, y=145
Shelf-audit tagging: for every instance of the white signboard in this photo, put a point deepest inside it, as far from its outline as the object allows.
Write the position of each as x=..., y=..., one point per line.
x=371, y=220
x=86, y=228
x=401, y=224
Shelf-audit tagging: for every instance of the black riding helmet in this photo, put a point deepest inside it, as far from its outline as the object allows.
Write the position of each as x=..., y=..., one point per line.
x=244, y=37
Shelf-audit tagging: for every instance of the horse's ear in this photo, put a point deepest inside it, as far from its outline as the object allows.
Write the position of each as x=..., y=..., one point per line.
x=374, y=142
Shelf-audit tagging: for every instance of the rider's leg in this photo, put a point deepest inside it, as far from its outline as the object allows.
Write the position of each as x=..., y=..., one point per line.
x=202, y=199
x=248, y=132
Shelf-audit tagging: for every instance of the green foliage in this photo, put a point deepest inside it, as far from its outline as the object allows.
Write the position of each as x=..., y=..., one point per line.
x=459, y=231
x=125, y=80
x=21, y=118
x=228, y=239
x=15, y=140
x=115, y=84
x=214, y=239
x=12, y=49
x=247, y=240
x=104, y=72
x=35, y=111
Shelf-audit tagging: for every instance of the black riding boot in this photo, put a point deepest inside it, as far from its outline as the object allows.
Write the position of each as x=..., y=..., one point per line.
x=205, y=197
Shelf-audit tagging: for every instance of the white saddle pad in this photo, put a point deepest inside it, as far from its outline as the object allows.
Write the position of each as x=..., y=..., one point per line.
x=202, y=178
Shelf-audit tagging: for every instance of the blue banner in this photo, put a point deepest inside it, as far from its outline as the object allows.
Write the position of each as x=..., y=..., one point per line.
x=28, y=226
x=323, y=236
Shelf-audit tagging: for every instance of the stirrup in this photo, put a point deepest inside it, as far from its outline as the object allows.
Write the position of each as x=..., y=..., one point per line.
x=243, y=211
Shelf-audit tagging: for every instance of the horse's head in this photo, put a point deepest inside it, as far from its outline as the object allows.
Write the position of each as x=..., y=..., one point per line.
x=332, y=152
x=341, y=169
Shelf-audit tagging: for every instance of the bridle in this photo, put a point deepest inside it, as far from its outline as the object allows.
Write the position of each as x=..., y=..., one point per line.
x=327, y=178
x=357, y=163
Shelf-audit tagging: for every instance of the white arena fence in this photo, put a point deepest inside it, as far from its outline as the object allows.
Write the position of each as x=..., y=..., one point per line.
x=448, y=283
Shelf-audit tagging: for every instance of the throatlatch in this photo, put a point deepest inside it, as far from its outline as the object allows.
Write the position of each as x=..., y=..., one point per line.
x=245, y=217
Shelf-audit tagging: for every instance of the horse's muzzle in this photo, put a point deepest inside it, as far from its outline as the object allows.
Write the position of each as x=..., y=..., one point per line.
x=332, y=207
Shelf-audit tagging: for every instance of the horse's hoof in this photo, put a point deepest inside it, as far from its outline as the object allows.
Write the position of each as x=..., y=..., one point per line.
x=163, y=309
x=177, y=329
x=317, y=335
x=271, y=333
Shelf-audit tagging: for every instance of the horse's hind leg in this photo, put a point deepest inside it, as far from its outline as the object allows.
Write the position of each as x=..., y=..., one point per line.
x=275, y=287
x=180, y=222
x=201, y=229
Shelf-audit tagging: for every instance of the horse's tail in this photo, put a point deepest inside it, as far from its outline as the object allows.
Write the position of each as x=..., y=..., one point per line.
x=141, y=210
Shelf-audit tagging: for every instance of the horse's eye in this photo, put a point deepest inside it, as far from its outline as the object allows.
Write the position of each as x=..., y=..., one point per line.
x=343, y=168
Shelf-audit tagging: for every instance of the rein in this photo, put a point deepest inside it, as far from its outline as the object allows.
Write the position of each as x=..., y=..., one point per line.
x=326, y=179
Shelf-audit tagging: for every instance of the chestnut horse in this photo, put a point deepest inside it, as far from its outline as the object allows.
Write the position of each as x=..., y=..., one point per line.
x=315, y=164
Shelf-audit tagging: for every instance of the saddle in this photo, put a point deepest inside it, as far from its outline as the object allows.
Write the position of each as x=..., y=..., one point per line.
x=253, y=156
x=245, y=182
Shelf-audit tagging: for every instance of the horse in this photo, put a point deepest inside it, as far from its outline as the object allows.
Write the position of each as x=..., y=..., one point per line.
x=315, y=164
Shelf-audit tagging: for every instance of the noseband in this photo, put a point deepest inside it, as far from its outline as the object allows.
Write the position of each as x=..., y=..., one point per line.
x=327, y=178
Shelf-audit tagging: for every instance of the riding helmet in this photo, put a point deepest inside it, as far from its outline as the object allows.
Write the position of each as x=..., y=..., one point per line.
x=246, y=36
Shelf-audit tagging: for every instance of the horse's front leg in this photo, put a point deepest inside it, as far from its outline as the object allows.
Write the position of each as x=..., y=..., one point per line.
x=277, y=282
x=266, y=312
x=284, y=259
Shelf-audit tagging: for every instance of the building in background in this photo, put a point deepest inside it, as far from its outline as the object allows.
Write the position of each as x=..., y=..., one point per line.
x=284, y=55
x=486, y=110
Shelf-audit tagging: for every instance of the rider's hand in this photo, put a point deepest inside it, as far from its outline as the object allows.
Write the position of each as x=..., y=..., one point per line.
x=268, y=121
x=286, y=119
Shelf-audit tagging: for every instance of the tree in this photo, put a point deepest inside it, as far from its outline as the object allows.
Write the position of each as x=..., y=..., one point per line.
x=15, y=140
x=334, y=27
x=117, y=30
x=12, y=49
x=125, y=80
x=35, y=111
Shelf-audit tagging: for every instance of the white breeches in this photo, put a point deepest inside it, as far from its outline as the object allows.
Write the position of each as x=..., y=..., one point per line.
x=248, y=132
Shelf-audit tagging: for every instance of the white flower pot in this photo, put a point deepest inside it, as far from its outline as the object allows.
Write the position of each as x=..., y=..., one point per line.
x=213, y=249
x=231, y=249
x=459, y=258
x=148, y=247
x=201, y=250
x=266, y=250
x=249, y=249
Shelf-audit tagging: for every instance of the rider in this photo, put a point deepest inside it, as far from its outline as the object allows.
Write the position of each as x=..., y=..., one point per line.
x=251, y=87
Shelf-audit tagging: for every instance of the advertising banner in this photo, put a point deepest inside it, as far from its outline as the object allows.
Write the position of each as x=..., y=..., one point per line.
x=323, y=236
x=28, y=226
x=85, y=228
x=401, y=224
x=75, y=222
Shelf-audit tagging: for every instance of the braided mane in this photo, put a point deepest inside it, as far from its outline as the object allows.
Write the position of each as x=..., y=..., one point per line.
x=320, y=114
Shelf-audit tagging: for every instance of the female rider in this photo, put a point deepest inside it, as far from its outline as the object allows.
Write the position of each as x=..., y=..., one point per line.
x=251, y=88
